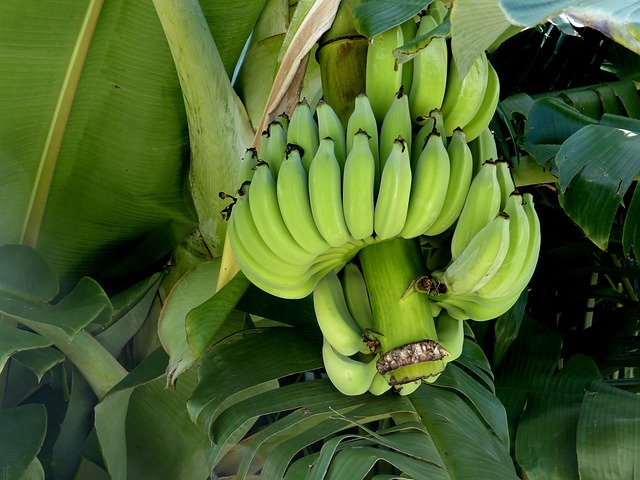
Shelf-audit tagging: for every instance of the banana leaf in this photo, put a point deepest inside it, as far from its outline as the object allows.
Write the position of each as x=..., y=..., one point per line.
x=22, y=431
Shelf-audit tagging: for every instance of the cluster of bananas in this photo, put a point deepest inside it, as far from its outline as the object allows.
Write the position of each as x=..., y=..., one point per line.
x=415, y=158
x=350, y=349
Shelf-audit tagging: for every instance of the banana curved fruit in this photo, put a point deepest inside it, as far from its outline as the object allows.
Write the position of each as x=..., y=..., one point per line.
x=479, y=260
x=420, y=139
x=263, y=199
x=273, y=146
x=483, y=149
x=358, y=182
x=461, y=172
x=396, y=123
x=379, y=385
x=507, y=186
x=363, y=118
x=450, y=335
x=430, y=67
x=325, y=195
x=349, y=376
x=506, y=276
x=487, y=108
x=334, y=319
x=480, y=207
x=428, y=187
x=247, y=164
x=464, y=95
x=393, y=197
x=293, y=200
x=329, y=125
x=383, y=76
x=356, y=296
x=303, y=132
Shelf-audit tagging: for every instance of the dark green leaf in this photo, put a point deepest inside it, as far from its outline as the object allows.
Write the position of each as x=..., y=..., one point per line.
x=249, y=358
x=608, y=434
x=631, y=232
x=25, y=273
x=39, y=360
x=596, y=167
x=22, y=431
x=376, y=16
x=15, y=340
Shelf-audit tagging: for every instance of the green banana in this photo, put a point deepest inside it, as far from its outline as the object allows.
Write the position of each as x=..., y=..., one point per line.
x=464, y=95
x=480, y=259
x=420, y=140
x=409, y=29
x=438, y=10
x=461, y=170
x=487, y=108
x=428, y=188
x=396, y=123
x=263, y=199
x=336, y=323
x=358, y=187
x=383, y=76
x=408, y=388
x=450, y=335
x=483, y=148
x=325, y=195
x=436, y=113
x=357, y=296
x=379, y=385
x=293, y=200
x=363, y=118
x=474, y=307
x=480, y=207
x=392, y=203
x=303, y=132
x=329, y=125
x=507, y=186
x=349, y=376
x=430, y=67
x=273, y=146
x=283, y=119
x=247, y=165
x=502, y=282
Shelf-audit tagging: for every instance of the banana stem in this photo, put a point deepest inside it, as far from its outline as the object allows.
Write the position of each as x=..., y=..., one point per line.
x=403, y=325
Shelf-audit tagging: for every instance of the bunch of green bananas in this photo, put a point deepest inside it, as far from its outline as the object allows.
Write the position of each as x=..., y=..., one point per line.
x=340, y=210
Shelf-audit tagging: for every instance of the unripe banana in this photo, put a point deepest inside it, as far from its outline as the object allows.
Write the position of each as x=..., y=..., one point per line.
x=473, y=306
x=483, y=148
x=439, y=123
x=408, y=388
x=325, y=195
x=263, y=199
x=480, y=207
x=504, y=279
x=428, y=188
x=450, y=335
x=336, y=323
x=247, y=165
x=438, y=10
x=273, y=146
x=303, y=132
x=507, y=186
x=487, y=108
x=393, y=197
x=349, y=376
x=383, y=76
x=396, y=123
x=283, y=119
x=364, y=119
x=329, y=125
x=480, y=259
x=293, y=200
x=357, y=296
x=243, y=226
x=379, y=385
x=409, y=29
x=429, y=72
x=461, y=170
x=420, y=140
x=358, y=188
x=464, y=95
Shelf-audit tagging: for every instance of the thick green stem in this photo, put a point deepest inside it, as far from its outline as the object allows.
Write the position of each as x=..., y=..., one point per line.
x=403, y=323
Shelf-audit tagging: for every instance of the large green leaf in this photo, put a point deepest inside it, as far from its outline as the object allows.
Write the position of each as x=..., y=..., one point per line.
x=22, y=431
x=594, y=180
x=617, y=20
x=93, y=145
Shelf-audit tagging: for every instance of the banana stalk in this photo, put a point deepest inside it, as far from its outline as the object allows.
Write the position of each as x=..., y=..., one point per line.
x=403, y=324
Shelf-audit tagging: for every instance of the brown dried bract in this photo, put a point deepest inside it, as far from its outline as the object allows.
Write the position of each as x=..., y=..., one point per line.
x=410, y=354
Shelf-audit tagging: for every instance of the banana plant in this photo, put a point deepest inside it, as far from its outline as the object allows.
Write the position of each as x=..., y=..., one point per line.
x=129, y=311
